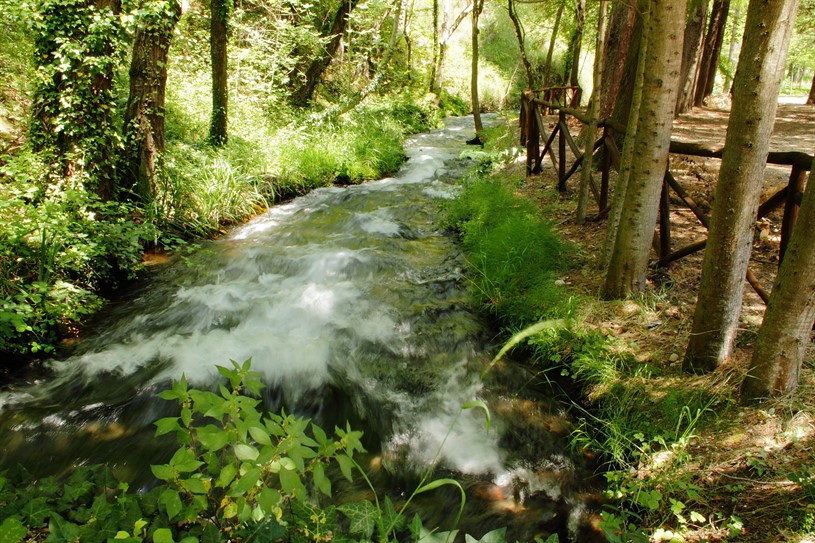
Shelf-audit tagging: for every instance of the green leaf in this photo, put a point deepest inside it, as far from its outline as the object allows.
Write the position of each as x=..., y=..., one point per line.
x=212, y=437
x=172, y=502
x=167, y=425
x=184, y=461
x=432, y=485
x=163, y=535
x=246, y=452
x=61, y=529
x=522, y=335
x=346, y=465
x=163, y=472
x=291, y=484
x=194, y=485
x=36, y=511
x=226, y=476
x=12, y=530
x=246, y=482
x=322, y=482
x=480, y=405
x=260, y=435
x=495, y=536
x=362, y=517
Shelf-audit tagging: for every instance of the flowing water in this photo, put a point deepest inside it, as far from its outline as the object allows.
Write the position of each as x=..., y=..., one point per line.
x=352, y=303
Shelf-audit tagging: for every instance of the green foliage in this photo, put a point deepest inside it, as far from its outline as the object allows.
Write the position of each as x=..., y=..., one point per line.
x=62, y=246
x=238, y=474
x=515, y=255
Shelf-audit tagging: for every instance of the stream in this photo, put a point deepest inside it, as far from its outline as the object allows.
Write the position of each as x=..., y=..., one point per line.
x=352, y=303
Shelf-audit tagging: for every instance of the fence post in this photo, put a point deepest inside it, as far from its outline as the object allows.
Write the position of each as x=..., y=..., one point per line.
x=561, y=150
x=532, y=138
x=791, y=207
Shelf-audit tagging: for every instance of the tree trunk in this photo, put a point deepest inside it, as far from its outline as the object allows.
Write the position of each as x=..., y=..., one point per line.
x=629, y=259
x=519, y=34
x=479, y=127
x=434, y=64
x=547, y=67
x=594, y=109
x=577, y=46
x=631, y=71
x=811, y=98
x=618, y=42
x=144, y=115
x=694, y=32
x=303, y=94
x=741, y=176
x=784, y=334
x=709, y=63
x=219, y=17
x=73, y=105
x=632, y=103
x=446, y=33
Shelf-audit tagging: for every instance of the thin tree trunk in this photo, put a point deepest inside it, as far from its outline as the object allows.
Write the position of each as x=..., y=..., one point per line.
x=446, y=33
x=633, y=102
x=547, y=67
x=479, y=127
x=784, y=335
x=629, y=259
x=219, y=17
x=435, y=47
x=144, y=114
x=519, y=34
x=694, y=33
x=618, y=42
x=303, y=94
x=577, y=46
x=594, y=109
x=714, y=38
x=741, y=176
x=811, y=98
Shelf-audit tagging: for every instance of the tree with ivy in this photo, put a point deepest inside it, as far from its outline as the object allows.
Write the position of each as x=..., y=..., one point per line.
x=144, y=114
x=218, y=39
x=78, y=45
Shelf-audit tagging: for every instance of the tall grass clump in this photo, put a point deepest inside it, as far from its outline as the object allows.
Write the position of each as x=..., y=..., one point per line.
x=515, y=255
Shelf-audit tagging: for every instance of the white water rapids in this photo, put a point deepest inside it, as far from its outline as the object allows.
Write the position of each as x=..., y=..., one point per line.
x=351, y=302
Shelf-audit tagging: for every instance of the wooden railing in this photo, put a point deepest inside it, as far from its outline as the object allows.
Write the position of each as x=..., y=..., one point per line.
x=533, y=132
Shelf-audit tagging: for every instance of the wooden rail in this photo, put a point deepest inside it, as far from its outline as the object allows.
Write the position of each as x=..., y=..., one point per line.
x=535, y=105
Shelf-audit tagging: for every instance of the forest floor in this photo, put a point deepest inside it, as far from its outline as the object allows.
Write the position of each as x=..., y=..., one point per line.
x=743, y=461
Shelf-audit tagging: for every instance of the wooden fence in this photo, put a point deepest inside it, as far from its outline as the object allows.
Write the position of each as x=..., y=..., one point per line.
x=533, y=132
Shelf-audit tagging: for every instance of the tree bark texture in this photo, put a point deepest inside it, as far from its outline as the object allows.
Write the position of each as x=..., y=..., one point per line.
x=144, y=114
x=305, y=92
x=784, y=334
x=709, y=63
x=622, y=102
x=811, y=98
x=741, y=176
x=617, y=43
x=629, y=259
x=694, y=33
x=219, y=17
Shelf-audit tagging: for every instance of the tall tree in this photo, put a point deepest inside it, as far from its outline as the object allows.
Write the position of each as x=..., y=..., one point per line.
x=303, y=94
x=811, y=97
x=617, y=44
x=78, y=47
x=547, y=67
x=694, y=33
x=594, y=110
x=218, y=26
x=478, y=6
x=784, y=334
x=576, y=47
x=709, y=63
x=663, y=57
x=520, y=35
x=448, y=28
x=741, y=176
x=144, y=114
